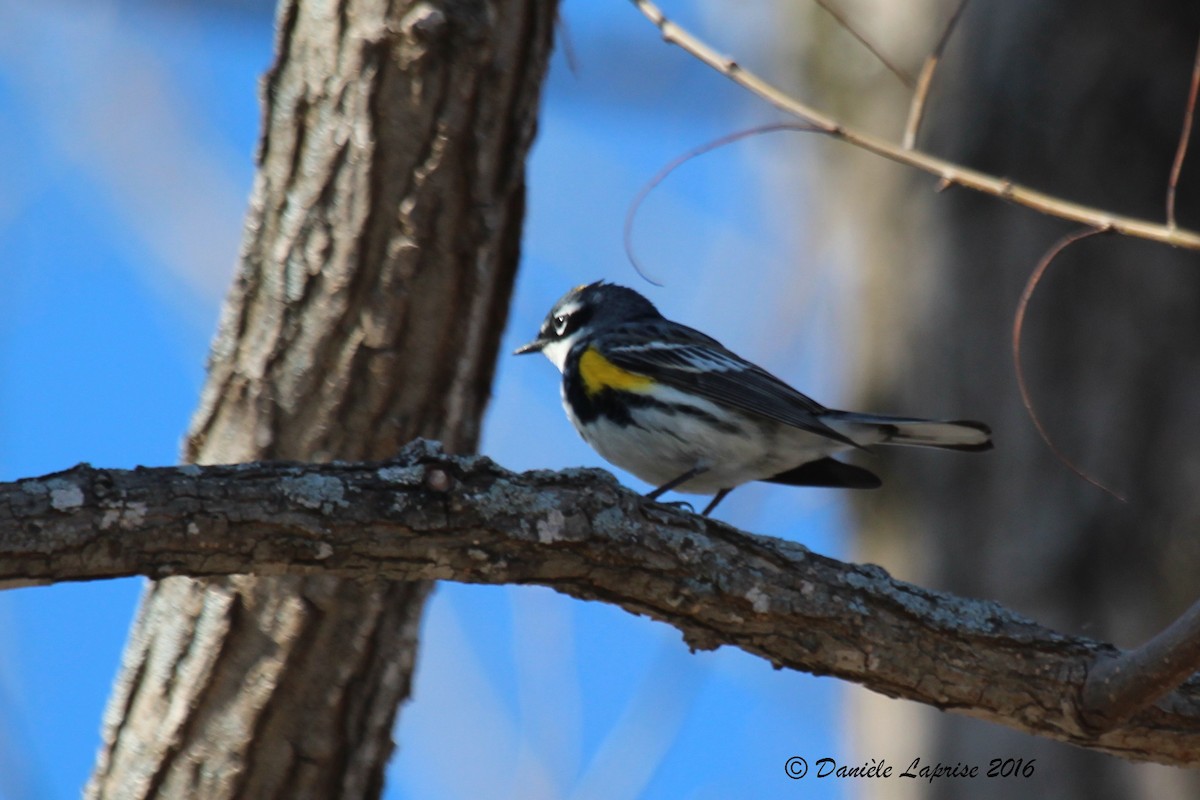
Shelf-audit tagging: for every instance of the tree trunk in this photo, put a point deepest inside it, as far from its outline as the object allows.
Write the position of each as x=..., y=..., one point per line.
x=1085, y=100
x=379, y=254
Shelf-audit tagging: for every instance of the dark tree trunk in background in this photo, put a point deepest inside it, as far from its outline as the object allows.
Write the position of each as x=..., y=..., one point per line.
x=379, y=253
x=1085, y=100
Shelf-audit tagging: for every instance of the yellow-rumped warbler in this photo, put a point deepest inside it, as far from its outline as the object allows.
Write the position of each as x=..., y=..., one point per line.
x=678, y=410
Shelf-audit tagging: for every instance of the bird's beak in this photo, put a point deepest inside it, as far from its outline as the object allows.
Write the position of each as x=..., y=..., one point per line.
x=532, y=347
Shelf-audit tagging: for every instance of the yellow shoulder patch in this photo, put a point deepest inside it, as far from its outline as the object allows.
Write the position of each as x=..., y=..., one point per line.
x=599, y=373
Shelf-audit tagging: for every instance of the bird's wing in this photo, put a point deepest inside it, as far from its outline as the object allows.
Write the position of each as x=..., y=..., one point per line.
x=692, y=362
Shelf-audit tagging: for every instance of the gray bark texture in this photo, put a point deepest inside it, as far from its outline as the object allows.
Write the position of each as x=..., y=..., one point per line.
x=1085, y=100
x=427, y=515
x=379, y=252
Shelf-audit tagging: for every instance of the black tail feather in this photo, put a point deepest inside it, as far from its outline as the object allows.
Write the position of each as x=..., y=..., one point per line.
x=829, y=473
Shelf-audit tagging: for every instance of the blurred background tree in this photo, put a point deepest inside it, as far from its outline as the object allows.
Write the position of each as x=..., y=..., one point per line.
x=1084, y=100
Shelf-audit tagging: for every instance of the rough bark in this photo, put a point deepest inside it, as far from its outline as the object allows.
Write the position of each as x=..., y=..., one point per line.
x=1086, y=100
x=380, y=247
x=427, y=515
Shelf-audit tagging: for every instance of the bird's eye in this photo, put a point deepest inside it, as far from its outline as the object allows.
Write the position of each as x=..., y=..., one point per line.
x=560, y=324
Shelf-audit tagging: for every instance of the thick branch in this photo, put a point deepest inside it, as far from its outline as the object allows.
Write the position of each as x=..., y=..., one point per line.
x=1118, y=687
x=427, y=516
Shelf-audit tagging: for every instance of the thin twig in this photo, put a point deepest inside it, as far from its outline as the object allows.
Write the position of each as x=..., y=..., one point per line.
x=1119, y=687
x=916, y=110
x=948, y=172
x=1019, y=325
x=1184, y=136
x=834, y=12
x=678, y=162
x=562, y=35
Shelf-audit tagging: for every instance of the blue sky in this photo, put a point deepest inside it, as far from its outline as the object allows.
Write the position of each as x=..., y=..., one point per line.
x=126, y=138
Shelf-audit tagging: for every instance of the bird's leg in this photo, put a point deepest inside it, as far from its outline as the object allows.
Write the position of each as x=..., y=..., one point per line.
x=713, y=504
x=671, y=484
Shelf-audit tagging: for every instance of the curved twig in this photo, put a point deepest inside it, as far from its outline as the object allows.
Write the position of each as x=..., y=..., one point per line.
x=678, y=162
x=1019, y=325
x=1184, y=135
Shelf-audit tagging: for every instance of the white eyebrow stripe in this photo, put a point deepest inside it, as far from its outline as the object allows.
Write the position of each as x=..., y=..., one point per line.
x=567, y=309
